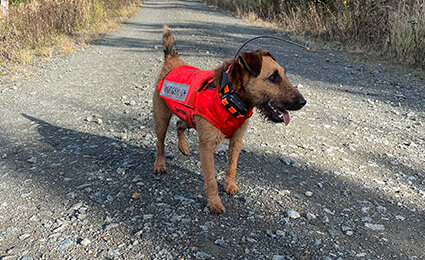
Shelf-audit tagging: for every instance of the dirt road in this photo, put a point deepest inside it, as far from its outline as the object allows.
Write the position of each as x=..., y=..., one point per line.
x=344, y=180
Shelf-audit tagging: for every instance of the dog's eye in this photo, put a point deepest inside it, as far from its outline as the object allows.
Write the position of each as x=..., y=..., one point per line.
x=272, y=78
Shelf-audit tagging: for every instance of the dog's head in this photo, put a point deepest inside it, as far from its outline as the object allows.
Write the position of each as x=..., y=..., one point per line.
x=261, y=82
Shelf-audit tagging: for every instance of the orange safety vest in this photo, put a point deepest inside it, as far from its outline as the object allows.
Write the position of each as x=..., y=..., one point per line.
x=184, y=91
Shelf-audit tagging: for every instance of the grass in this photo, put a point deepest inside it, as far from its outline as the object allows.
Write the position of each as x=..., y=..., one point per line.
x=394, y=28
x=41, y=28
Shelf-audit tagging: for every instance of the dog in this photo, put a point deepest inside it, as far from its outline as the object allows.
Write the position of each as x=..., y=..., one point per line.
x=218, y=104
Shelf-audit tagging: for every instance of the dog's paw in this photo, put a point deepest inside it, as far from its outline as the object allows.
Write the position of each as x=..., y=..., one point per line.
x=184, y=147
x=215, y=206
x=159, y=168
x=231, y=187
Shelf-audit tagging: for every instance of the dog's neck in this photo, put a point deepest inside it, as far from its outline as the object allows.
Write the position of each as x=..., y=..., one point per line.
x=218, y=77
x=230, y=99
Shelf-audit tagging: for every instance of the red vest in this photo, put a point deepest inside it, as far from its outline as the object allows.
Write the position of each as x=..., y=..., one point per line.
x=181, y=90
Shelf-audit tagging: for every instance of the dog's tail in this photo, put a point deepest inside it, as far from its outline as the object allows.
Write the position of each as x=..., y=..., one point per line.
x=168, y=43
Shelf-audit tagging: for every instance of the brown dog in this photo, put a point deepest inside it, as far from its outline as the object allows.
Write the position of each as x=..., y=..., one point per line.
x=219, y=109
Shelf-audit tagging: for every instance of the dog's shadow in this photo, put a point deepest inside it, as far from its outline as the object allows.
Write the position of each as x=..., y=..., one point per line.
x=98, y=161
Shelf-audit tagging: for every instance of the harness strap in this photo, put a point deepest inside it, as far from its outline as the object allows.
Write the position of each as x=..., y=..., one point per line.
x=209, y=84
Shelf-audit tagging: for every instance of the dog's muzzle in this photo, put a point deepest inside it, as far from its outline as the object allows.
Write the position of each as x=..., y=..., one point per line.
x=278, y=112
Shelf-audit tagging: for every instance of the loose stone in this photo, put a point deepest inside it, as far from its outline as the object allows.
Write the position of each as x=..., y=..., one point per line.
x=65, y=244
x=24, y=236
x=310, y=216
x=147, y=216
x=280, y=233
x=325, y=219
x=113, y=252
x=85, y=242
x=32, y=160
x=375, y=227
x=345, y=228
x=401, y=218
x=202, y=255
x=293, y=214
x=220, y=242
x=111, y=226
x=77, y=206
x=381, y=209
x=136, y=196
x=334, y=232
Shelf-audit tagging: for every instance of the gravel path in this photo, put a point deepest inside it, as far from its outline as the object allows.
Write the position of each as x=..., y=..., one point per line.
x=345, y=180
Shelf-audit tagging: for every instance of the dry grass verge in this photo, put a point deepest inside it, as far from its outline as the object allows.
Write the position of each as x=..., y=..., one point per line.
x=389, y=27
x=39, y=28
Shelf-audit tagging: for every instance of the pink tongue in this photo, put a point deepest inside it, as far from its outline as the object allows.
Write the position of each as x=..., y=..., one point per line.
x=286, y=118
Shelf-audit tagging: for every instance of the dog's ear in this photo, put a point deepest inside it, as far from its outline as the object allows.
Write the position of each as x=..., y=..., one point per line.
x=251, y=61
x=267, y=53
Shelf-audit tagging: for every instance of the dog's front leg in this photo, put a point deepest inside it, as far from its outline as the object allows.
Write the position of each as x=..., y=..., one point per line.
x=209, y=138
x=207, y=163
x=235, y=146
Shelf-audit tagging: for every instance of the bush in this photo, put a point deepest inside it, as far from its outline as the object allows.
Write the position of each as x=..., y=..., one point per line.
x=391, y=27
x=32, y=26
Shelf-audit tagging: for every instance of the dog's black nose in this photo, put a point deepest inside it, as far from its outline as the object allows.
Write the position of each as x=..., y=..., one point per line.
x=296, y=104
x=302, y=102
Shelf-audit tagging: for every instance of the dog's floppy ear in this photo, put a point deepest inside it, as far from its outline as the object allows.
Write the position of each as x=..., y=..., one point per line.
x=267, y=53
x=251, y=61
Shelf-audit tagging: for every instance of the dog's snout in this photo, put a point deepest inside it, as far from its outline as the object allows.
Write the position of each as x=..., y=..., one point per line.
x=301, y=102
x=295, y=104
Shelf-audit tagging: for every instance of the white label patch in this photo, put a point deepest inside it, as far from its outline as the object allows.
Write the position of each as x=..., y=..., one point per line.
x=174, y=90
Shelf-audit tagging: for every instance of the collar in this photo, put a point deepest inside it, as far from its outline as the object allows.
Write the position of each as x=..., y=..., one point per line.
x=225, y=86
x=231, y=100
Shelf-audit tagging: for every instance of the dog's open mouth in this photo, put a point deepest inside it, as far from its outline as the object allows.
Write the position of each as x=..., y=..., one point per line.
x=275, y=114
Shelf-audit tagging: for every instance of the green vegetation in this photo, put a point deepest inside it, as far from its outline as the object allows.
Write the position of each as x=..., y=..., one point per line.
x=40, y=27
x=390, y=27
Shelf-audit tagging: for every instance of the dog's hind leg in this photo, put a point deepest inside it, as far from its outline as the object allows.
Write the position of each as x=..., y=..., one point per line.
x=181, y=126
x=235, y=146
x=161, y=115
